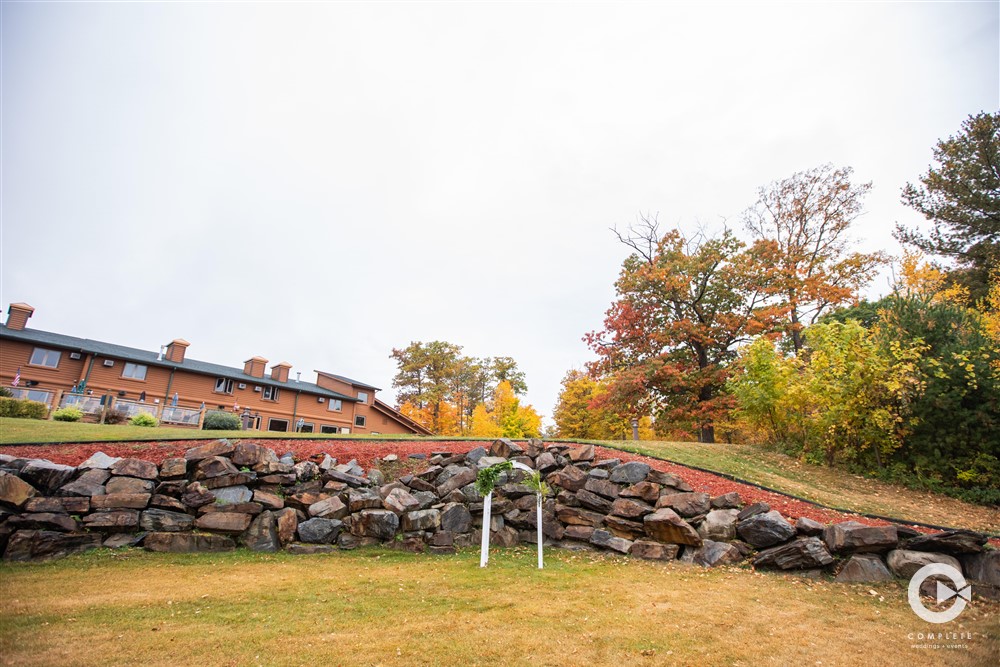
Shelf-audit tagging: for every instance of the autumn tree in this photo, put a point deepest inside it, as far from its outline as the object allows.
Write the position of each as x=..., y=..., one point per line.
x=960, y=196
x=505, y=416
x=577, y=414
x=440, y=388
x=425, y=379
x=807, y=216
x=683, y=305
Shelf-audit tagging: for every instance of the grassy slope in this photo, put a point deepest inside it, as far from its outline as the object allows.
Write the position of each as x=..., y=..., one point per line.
x=379, y=607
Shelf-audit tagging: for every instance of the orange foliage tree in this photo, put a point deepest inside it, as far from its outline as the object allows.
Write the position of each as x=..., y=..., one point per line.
x=683, y=306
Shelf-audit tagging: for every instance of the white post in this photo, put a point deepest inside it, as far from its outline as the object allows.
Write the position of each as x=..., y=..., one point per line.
x=538, y=507
x=484, y=548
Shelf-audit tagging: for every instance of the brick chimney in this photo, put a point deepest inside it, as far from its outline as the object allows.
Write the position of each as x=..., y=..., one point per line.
x=279, y=372
x=17, y=315
x=254, y=366
x=176, y=350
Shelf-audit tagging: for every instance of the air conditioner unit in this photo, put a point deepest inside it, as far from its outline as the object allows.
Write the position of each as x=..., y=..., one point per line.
x=320, y=399
x=257, y=388
x=109, y=362
x=74, y=355
x=243, y=385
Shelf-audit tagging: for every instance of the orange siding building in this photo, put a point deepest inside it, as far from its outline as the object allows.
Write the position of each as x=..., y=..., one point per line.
x=64, y=370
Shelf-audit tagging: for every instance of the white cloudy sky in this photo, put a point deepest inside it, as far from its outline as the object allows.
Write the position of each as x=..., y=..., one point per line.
x=319, y=182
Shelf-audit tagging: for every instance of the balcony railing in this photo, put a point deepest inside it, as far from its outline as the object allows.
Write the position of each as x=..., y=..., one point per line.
x=186, y=416
x=90, y=405
x=132, y=408
x=39, y=395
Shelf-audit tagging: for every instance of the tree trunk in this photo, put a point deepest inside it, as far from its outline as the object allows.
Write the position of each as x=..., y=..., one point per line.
x=707, y=434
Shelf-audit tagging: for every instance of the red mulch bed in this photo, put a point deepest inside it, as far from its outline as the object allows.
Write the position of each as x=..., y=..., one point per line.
x=367, y=452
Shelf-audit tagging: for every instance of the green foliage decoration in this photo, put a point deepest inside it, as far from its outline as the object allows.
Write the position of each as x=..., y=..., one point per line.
x=488, y=477
x=221, y=421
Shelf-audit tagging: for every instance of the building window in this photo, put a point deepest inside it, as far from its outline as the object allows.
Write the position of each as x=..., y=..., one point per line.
x=42, y=357
x=362, y=397
x=359, y=420
x=306, y=428
x=223, y=386
x=326, y=428
x=270, y=394
x=277, y=424
x=134, y=371
x=335, y=404
x=344, y=429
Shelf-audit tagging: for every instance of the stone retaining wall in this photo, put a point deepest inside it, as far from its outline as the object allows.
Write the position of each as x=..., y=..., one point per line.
x=221, y=495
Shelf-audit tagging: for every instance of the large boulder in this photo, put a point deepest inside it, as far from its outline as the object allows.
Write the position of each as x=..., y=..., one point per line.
x=905, y=563
x=630, y=509
x=187, y=542
x=232, y=494
x=712, y=554
x=379, y=524
x=14, y=491
x=287, y=522
x=602, y=487
x=605, y=540
x=218, y=448
x=134, y=468
x=320, y=531
x=854, y=537
x=400, y=501
x=983, y=567
x=363, y=499
x=116, y=521
x=863, y=568
x=329, y=508
x=47, y=476
x=804, y=553
x=262, y=535
x=173, y=468
x=456, y=518
x=686, y=504
x=99, y=460
x=157, y=520
x=25, y=545
x=577, y=516
x=719, y=525
x=665, y=525
x=421, y=520
x=214, y=466
x=765, y=530
x=114, y=501
x=570, y=478
x=632, y=472
x=949, y=542
x=232, y=523
x=129, y=485
x=647, y=491
x=650, y=550
x=592, y=501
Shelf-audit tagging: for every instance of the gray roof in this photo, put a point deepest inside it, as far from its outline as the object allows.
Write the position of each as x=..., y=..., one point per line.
x=97, y=347
x=356, y=383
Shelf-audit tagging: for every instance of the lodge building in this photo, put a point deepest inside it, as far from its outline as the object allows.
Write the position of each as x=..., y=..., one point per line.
x=61, y=370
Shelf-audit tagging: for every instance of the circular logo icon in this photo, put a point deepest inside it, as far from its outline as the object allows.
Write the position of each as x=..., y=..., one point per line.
x=942, y=593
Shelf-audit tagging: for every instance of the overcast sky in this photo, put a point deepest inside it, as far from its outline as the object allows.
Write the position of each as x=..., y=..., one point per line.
x=318, y=183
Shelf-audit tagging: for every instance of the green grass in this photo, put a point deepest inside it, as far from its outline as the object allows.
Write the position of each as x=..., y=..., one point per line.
x=378, y=607
x=18, y=431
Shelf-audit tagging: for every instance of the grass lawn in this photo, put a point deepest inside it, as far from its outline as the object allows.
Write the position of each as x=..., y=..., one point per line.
x=828, y=486
x=18, y=431
x=379, y=607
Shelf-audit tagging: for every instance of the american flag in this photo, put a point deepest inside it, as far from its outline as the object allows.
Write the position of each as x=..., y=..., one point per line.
x=17, y=378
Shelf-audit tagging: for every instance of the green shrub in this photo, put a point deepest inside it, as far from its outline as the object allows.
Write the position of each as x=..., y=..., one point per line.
x=23, y=408
x=6, y=393
x=144, y=419
x=68, y=414
x=221, y=421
